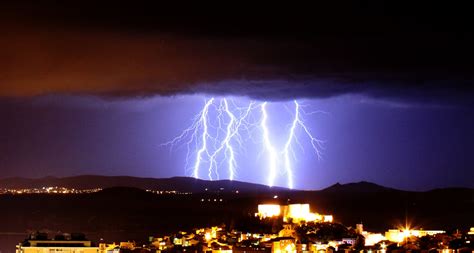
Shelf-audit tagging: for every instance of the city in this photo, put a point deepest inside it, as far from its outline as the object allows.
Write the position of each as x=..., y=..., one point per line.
x=48, y=190
x=276, y=229
x=65, y=190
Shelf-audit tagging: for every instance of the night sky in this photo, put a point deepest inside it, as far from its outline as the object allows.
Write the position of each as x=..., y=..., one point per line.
x=95, y=88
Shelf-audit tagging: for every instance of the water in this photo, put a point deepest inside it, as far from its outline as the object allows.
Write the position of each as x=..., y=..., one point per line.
x=8, y=241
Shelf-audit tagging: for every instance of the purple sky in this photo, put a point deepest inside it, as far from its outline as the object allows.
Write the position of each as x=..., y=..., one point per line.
x=402, y=145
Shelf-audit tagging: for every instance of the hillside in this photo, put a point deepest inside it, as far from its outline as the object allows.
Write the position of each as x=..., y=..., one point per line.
x=377, y=206
x=182, y=184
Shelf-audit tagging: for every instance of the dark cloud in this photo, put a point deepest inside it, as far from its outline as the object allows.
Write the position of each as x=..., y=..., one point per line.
x=293, y=51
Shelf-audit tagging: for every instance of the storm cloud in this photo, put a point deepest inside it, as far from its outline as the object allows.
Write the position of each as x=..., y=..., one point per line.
x=142, y=50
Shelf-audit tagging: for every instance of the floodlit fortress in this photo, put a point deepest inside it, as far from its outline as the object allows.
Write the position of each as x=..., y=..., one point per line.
x=295, y=213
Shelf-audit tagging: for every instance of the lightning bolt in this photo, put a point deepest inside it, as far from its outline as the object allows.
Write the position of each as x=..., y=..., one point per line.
x=315, y=143
x=231, y=133
x=234, y=132
x=205, y=135
x=272, y=155
x=200, y=124
x=231, y=120
x=225, y=143
x=286, y=149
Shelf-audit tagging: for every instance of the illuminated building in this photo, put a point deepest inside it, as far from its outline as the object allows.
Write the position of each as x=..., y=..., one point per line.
x=373, y=238
x=225, y=250
x=288, y=231
x=471, y=231
x=207, y=236
x=63, y=245
x=298, y=212
x=328, y=218
x=127, y=245
x=360, y=228
x=109, y=248
x=211, y=233
x=323, y=247
x=283, y=245
x=370, y=238
x=294, y=212
x=268, y=210
x=244, y=249
x=161, y=243
x=178, y=240
x=397, y=235
x=181, y=239
x=261, y=237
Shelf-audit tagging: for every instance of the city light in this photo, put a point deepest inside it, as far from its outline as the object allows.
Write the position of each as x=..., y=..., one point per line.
x=218, y=239
x=49, y=190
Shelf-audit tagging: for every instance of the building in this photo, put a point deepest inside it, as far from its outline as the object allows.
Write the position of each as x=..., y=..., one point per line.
x=249, y=249
x=268, y=211
x=294, y=213
x=283, y=245
x=109, y=248
x=39, y=243
x=397, y=235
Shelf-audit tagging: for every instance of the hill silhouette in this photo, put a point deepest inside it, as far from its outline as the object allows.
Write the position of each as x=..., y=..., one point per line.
x=182, y=184
x=359, y=187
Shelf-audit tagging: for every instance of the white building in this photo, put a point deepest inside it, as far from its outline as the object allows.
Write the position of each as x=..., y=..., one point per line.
x=58, y=246
x=293, y=212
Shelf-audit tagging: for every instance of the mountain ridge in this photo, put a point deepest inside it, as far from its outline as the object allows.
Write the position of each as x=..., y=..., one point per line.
x=183, y=184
